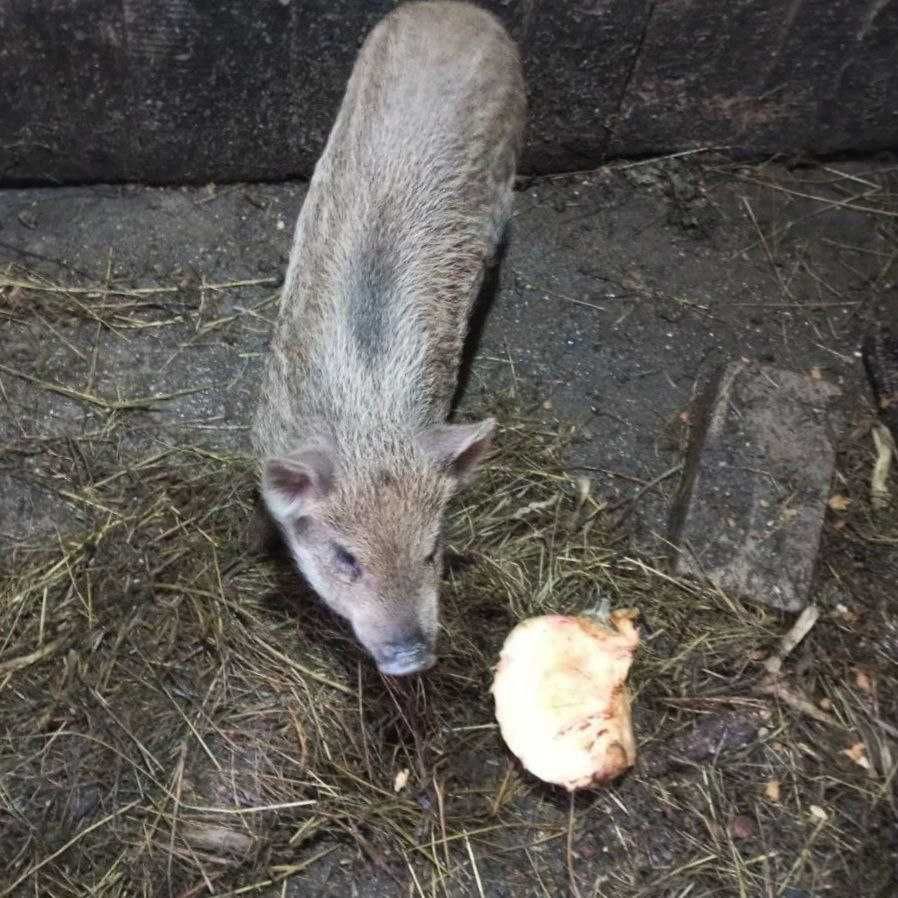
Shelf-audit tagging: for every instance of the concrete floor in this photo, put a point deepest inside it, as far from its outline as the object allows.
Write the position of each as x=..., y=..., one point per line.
x=619, y=287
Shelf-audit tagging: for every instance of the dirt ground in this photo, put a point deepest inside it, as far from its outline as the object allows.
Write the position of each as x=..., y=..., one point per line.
x=618, y=287
x=132, y=324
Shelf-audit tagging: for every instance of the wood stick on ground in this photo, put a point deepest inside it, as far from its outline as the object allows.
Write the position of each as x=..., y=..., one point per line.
x=885, y=449
x=794, y=699
x=773, y=685
x=802, y=626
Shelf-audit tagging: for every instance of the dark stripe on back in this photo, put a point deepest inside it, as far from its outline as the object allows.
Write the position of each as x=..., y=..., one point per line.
x=372, y=284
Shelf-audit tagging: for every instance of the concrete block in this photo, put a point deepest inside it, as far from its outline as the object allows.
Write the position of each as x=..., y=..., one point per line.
x=752, y=498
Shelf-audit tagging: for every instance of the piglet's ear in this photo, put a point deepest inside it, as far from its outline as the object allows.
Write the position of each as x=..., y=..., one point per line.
x=458, y=448
x=291, y=482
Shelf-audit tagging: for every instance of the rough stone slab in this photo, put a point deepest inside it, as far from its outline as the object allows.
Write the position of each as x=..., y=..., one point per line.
x=753, y=495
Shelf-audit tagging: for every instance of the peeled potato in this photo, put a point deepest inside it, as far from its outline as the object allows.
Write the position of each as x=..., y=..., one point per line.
x=562, y=702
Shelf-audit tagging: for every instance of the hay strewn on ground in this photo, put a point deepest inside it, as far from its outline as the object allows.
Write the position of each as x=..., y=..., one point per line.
x=174, y=723
x=177, y=720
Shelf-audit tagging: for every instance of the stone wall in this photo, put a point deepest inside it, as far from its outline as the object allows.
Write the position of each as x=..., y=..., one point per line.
x=170, y=91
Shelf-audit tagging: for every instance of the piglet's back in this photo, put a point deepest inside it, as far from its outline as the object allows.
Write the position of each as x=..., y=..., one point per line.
x=406, y=204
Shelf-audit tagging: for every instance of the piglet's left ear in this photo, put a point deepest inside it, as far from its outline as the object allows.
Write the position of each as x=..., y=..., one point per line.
x=292, y=483
x=458, y=448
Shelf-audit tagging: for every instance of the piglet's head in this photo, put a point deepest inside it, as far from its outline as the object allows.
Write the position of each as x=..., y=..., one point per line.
x=365, y=532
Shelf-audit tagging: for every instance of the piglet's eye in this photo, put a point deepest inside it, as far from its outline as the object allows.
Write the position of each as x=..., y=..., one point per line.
x=347, y=560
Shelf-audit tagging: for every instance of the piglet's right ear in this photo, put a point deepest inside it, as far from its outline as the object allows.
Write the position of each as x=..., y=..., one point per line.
x=291, y=482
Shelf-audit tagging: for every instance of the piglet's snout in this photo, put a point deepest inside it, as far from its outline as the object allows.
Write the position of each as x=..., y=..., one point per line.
x=410, y=655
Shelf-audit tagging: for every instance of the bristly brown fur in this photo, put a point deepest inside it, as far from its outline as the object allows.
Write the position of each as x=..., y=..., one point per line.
x=405, y=209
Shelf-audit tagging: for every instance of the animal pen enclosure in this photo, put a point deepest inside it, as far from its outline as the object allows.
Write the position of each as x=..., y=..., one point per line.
x=701, y=183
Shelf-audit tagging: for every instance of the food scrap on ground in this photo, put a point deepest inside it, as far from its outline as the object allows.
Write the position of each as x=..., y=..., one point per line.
x=562, y=701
